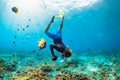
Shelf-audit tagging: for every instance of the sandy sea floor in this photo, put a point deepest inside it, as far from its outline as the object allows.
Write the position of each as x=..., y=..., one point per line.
x=88, y=65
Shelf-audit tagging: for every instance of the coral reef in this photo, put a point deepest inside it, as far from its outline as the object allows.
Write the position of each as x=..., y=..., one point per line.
x=91, y=68
x=1, y=75
x=117, y=78
x=2, y=62
x=11, y=66
x=2, y=68
x=30, y=74
x=65, y=75
x=29, y=63
x=71, y=63
x=68, y=76
x=46, y=68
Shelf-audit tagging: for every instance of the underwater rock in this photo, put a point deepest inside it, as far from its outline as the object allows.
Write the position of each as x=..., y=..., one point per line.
x=2, y=72
x=1, y=76
x=2, y=69
x=30, y=74
x=62, y=77
x=46, y=68
x=68, y=76
x=2, y=62
x=92, y=62
x=6, y=77
x=15, y=9
x=29, y=63
x=64, y=65
x=105, y=76
x=11, y=66
x=64, y=71
x=57, y=68
x=73, y=63
x=80, y=77
x=19, y=78
x=117, y=78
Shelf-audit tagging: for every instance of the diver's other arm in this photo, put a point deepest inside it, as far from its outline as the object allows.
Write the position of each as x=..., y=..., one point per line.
x=61, y=24
x=63, y=57
x=49, y=24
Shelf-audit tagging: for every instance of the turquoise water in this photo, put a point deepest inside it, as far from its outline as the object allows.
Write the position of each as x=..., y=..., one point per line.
x=91, y=29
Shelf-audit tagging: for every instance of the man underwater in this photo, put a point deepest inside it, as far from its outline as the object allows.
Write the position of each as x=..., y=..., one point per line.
x=57, y=39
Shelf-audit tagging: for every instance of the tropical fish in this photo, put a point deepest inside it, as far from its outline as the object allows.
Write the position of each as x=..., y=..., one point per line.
x=15, y=9
x=41, y=43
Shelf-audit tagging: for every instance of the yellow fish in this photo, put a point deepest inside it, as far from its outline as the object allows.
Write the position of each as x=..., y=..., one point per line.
x=41, y=43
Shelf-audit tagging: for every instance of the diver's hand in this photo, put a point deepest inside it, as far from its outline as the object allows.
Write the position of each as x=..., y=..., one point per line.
x=64, y=58
x=54, y=57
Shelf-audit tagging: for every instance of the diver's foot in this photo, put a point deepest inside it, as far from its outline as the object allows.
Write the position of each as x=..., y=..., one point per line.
x=54, y=58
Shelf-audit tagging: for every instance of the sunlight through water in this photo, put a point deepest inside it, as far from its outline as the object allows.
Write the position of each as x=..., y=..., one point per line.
x=38, y=9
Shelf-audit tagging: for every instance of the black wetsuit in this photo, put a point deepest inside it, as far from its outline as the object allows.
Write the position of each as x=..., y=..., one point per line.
x=58, y=44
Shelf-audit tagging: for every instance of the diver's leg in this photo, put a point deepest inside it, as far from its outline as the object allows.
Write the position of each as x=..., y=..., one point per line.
x=48, y=26
x=61, y=24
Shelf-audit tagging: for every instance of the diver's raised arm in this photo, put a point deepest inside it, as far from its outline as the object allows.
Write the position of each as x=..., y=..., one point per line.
x=61, y=24
x=48, y=26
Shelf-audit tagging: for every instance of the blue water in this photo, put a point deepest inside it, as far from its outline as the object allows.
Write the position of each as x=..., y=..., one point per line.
x=95, y=28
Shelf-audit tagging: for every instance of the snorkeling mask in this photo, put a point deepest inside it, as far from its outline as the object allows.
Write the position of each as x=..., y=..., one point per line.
x=68, y=52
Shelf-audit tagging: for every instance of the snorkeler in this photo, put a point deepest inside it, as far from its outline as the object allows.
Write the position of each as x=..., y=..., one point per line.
x=57, y=39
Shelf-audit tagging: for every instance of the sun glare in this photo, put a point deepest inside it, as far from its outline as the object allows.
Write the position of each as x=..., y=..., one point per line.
x=40, y=10
x=29, y=7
